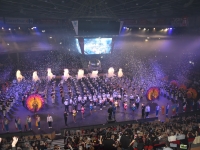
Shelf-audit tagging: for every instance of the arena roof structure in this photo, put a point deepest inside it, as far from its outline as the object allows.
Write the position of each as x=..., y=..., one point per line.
x=116, y=9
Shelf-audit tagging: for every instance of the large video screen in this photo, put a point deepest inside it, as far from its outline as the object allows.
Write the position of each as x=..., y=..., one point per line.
x=78, y=46
x=97, y=45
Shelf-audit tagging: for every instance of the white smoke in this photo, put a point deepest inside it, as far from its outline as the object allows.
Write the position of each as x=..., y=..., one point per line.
x=80, y=74
x=120, y=73
x=94, y=74
x=66, y=75
x=19, y=76
x=50, y=74
x=111, y=72
x=35, y=77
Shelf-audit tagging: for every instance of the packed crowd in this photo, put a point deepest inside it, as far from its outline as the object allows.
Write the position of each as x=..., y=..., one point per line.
x=129, y=136
x=138, y=136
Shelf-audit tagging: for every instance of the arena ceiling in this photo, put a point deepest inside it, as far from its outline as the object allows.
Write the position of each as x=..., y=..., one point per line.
x=116, y=9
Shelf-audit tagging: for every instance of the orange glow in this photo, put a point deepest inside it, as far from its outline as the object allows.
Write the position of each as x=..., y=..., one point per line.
x=34, y=102
x=153, y=93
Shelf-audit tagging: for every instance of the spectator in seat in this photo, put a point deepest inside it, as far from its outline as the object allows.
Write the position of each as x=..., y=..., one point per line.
x=125, y=141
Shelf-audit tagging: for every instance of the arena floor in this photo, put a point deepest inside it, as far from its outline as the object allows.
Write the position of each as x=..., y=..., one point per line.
x=97, y=117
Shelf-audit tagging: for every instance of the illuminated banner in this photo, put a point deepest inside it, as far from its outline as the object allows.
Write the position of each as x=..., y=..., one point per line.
x=75, y=25
x=180, y=22
x=121, y=25
x=18, y=20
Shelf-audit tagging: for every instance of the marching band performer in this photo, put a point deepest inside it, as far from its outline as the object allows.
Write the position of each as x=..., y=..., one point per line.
x=100, y=103
x=104, y=100
x=184, y=105
x=111, y=101
x=79, y=98
x=131, y=98
x=83, y=102
x=70, y=101
x=95, y=100
x=53, y=96
x=75, y=104
x=108, y=97
x=119, y=96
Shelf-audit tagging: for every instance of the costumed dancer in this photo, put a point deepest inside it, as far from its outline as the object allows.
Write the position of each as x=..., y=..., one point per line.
x=74, y=115
x=114, y=111
x=49, y=121
x=157, y=110
x=147, y=110
x=91, y=107
x=184, y=105
x=38, y=122
x=28, y=122
x=174, y=110
x=35, y=105
x=19, y=124
x=116, y=103
x=137, y=101
x=143, y=110
x=133, y=107
x=125, y=106
x=167, y=109
x=6, y=125
x=82, y=112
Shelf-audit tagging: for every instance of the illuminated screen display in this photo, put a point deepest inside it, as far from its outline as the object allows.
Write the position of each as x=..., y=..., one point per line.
x=78, y=46
x=97, y=45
